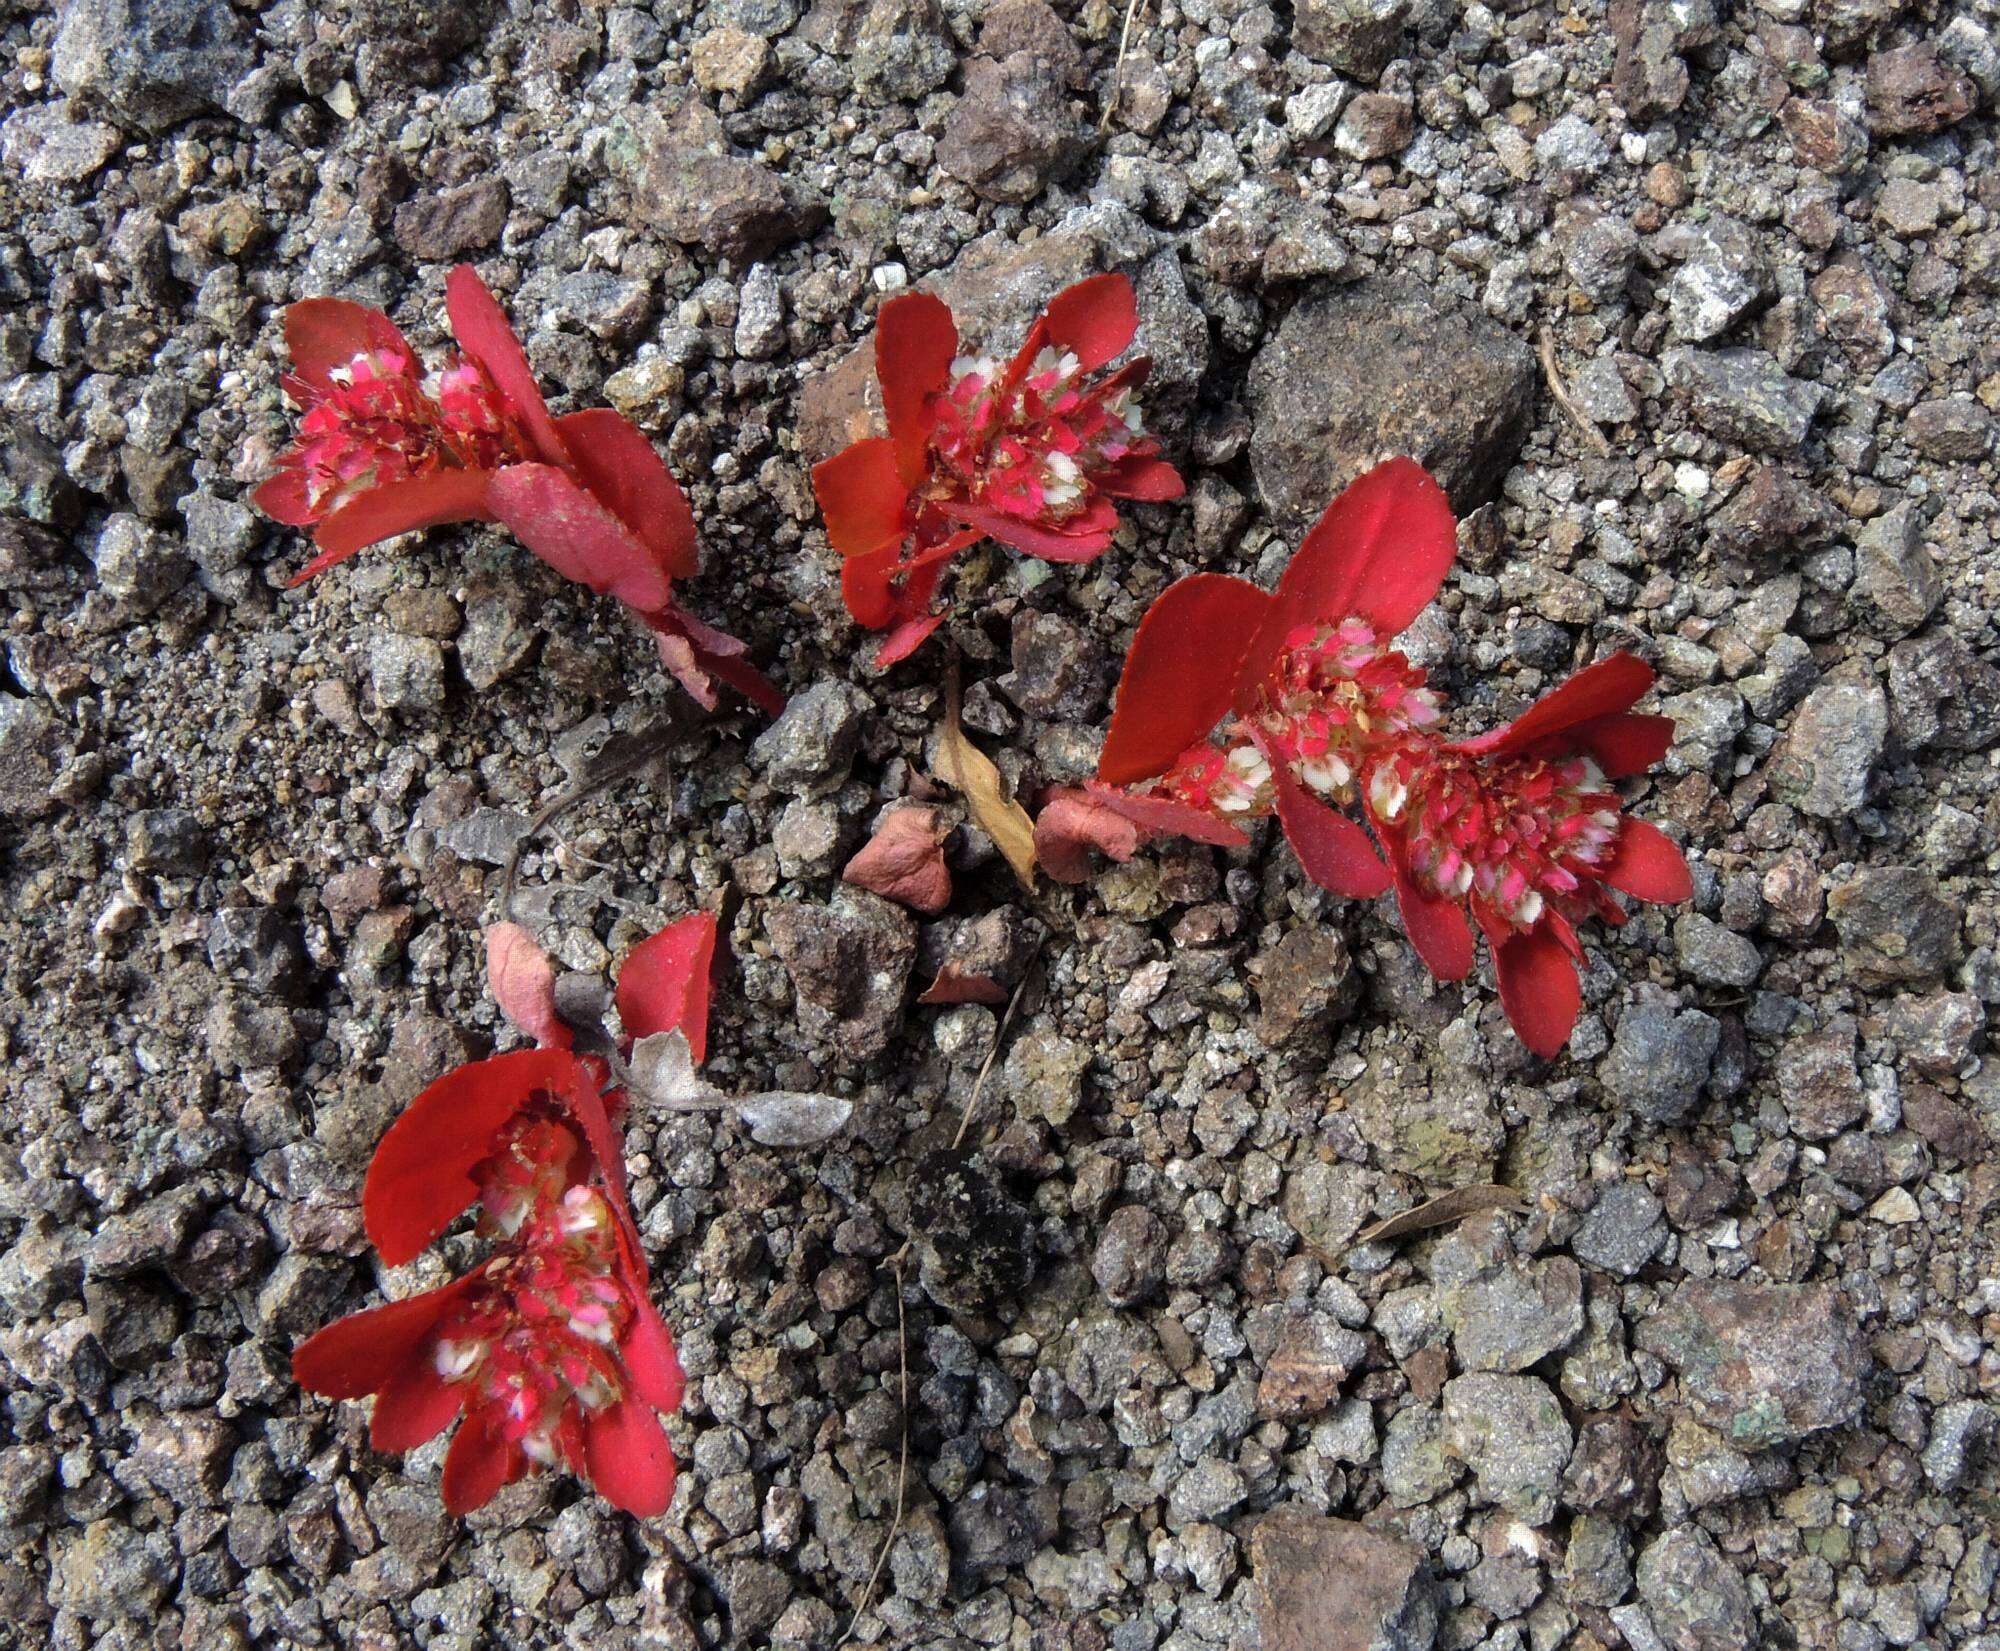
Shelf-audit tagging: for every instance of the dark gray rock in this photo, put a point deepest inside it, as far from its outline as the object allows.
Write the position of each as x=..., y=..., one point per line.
x=1895, y=925
x=30, y=740
x=1762, y=1364
x=1130, y=1261
x=1824, y=763
x=1660, y=1058
x=1743, y=396
x=1943, y=695
x=812, y=744
x=1378, y=367
x=1623, y=1231
x=1693, y=1595
x=850, y=966
x=152, y=63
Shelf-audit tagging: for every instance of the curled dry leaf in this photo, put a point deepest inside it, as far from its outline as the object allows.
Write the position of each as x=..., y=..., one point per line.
x=1442, y=1211
x=970, y=772
x=904, y=860
x=523, y=982
x=959, y=985
x=1070, y=825
x=661, y=1074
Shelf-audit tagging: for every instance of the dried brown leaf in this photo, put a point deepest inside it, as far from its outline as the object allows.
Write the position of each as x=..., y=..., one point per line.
x=970, y=772
x=1442, y=1211
x=958, y=985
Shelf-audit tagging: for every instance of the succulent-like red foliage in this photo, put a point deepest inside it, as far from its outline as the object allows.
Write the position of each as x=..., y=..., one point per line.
x=550, y=1350
x=384, y=449
x=1032, y=452
x=1519, y=828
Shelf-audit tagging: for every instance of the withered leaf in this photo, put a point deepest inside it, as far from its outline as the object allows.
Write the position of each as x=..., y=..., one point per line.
x=970, y=772
x=1442, y=1211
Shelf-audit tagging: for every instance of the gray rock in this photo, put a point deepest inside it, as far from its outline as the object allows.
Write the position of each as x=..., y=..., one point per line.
x=1623, y=1231
x=1130, y=1261
x=1820, y=1081
x=1895, y=925
x=1599, y=249
x=812, y=744
x=221, y=533
x=137, y=566
x=1660, y=1059
x=1960, y=1430
x=1059, y=668
x=169, y=840
x=688, y=183
x=1597, y=1564
x=1333, y=1585
x=45, y=146
x=30, y=738
x=406, y=673
x=1416, y=1466
x=1743, y=396
x=1384, y=366
x=152, y=63
x=110, y=1571
x=1511, y=1432
x=1762, y=1364
x=1942, y=694
x=1572, y=146
x=1205, y=1492
x=1514, y=1313
x=256, y=945
x=1895, y=573
x=1716, y=956
x=1726, y=276
x=901, y=51
x=760, y=315
x=1825, y=761
x=33, y=482
x=1693, y=1595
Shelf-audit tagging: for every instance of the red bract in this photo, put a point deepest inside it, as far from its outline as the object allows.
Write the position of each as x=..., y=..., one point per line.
x=1031, y=453
x=904, y=860
x=384, y=450
x=551, y=1349
x=1318, y=713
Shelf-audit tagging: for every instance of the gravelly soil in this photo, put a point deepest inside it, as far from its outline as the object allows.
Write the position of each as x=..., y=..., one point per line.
x=1728, y=1379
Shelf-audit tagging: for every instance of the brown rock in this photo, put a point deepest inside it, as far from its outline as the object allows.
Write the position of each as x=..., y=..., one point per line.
x=1912, y=90
x=1772, y=516
x=1030, y=26
x=1334, y=1585
x=850, y=964
x=1385, y=366
x=1012, y=131
x=1895, y=925
x=452, y=222
x=1313, y=1357
x=1822, y=137
x=1819, y=1081
x=1950, y=1128
x=1304, y=981
x=688, y=183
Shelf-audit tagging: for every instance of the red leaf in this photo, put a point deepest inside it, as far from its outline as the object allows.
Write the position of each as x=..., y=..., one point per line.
x=485, y=334
x=1435, y=923
x=1646, y=864
x=325, y=333
x=361, y=1354
x=904, y=860
x=523, y=982
x=421, y=1178
x=478, y=1464
x=1167, y=818
x=1085, y=538
x=414, y=1405
x=607, y=1150
x=650, y=1359
x=694, y=652
x=406, y=506
x=1334, y=851
x=1538, y=989
x=663, y=984
x=915, y=341
x=864, y=499
x=625, y=473
x=283, y=498
x=1181, y=674
x=1095, y=320
x=1379, y=553
x=1074, y=822
x=905, y=640
x=577, y=536
x=629, y=1460
x=1140, y=478
x=1550, y=726
x=1628, y=744
x=958, y=985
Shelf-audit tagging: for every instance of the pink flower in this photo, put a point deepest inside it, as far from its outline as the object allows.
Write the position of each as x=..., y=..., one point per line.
x=384, y=450
x=1236, y=703
x=1032, y=452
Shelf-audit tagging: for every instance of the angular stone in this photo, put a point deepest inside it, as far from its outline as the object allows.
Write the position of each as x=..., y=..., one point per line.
x=1762, y=1364
x=1895, y=573
x=1313, y=1356
x=1515, y=1314
x=1743, y=396
x=1895, y=925
x=1648, y=77
x=30, y=738
x=688, y=183
x=1693, y=1595
x=1772, y=516
x=1511, y=1432
x=1819, y=1081
x=1660, y=1058
x=1942, y=694
x=1914, y=91
x=152, y=63
x=1726, y=275
x=1623, y=1231
x=1825, y=760
x=469, y=218
x=1012, y=130
x=1333, y=1585
x=850, y=966
x=1385, y=366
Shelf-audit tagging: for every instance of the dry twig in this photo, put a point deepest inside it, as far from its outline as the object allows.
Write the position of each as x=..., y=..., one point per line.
x=1565, y=401
x=986, y=1066
x=1132, y=13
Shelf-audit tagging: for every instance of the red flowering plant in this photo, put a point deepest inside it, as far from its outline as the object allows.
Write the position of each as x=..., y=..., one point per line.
x=1032, y=452
x=550, y=1350
x=385, y=449
x=1236, y=703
